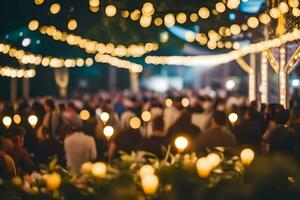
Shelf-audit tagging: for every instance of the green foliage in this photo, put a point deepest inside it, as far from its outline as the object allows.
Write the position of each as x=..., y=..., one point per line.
x=272, y=177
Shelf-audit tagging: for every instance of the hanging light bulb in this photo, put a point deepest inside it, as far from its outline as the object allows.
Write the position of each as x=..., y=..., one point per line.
x=6, y=121
x=108, y=132
x=104, y=116
x=233, y=117
x=32, y=120
x=181, y=143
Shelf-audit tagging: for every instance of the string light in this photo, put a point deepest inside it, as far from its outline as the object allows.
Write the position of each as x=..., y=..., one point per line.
x=33, y=25
x=38, y=2
x=226, y=57
x=110, y=10
x=169, y=20
x=11, y=72
x=90, y=46
x=72, y=24
x=55, y=8
x=29, y=58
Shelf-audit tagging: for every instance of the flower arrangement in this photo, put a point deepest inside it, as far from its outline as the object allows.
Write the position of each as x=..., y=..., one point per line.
x=220, y=174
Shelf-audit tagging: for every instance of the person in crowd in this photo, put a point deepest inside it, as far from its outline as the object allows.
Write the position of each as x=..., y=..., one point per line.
x=294, y=124
x=71, y=114
x=7, y=165
x=49, y=149
x=79, y=147
x=247, y=132
x=202, y=113
x=280, y=138
x=182, y=127
x=172, y=113
x=126, y=140
x=23, y=161
x=156, y=141
x=217, y=134
x=52, y=119
x=257, y=117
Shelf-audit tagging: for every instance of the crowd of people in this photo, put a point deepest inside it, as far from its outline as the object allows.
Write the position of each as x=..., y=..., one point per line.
x=62, y=132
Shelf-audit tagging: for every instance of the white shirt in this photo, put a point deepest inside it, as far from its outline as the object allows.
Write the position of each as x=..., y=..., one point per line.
x=79, y=148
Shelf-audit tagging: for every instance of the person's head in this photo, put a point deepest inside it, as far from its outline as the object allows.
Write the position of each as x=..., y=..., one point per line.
x=254, y=105
x=71, y=107
x=219, y=118
x=158, y=124
x=49, y=105
x=184, y=119
x=18, y=136
x=281, y=117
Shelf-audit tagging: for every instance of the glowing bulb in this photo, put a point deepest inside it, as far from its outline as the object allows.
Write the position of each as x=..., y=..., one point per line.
x=230, y=84
x=181, y=143
x=185, y=102
x=168, y=102
x=283, y=7
x=214, y=159
x=99, y=169
x=72, y=24
x=84, y=114
x=38, y=2
x=158, y=21
x=146, y=170
x=233, y=117
x=150, y=184
x=194, y=17
x=264, y=18
x=26, y=42
x=108, y=132
x=135, y=123
x=204, y=167
x=275, y=13
x=110, y=10
x=146, y=116
x=94, y=3
x=181, y=18
x=17, y=119
x=6, y=121
x=55, y=8
x=33, y=25
x=247, y=156
x=189, y=36
x=204, y=13
x=32, y=120
x=253, y=22
x=104, y=116
x=169, y=20
x=220, y=7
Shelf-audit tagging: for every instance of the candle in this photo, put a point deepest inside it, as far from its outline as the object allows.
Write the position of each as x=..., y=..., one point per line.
x=99, y=169
x=150, y=184
x=32, y=119
x=233, y=117
x=86, y=168
x=204, y=167
x=53, y=181
x=146, y=170
x=247, y=156
x=214, y=159
x=108, y=131
x=6, y=121
x=181, y=143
